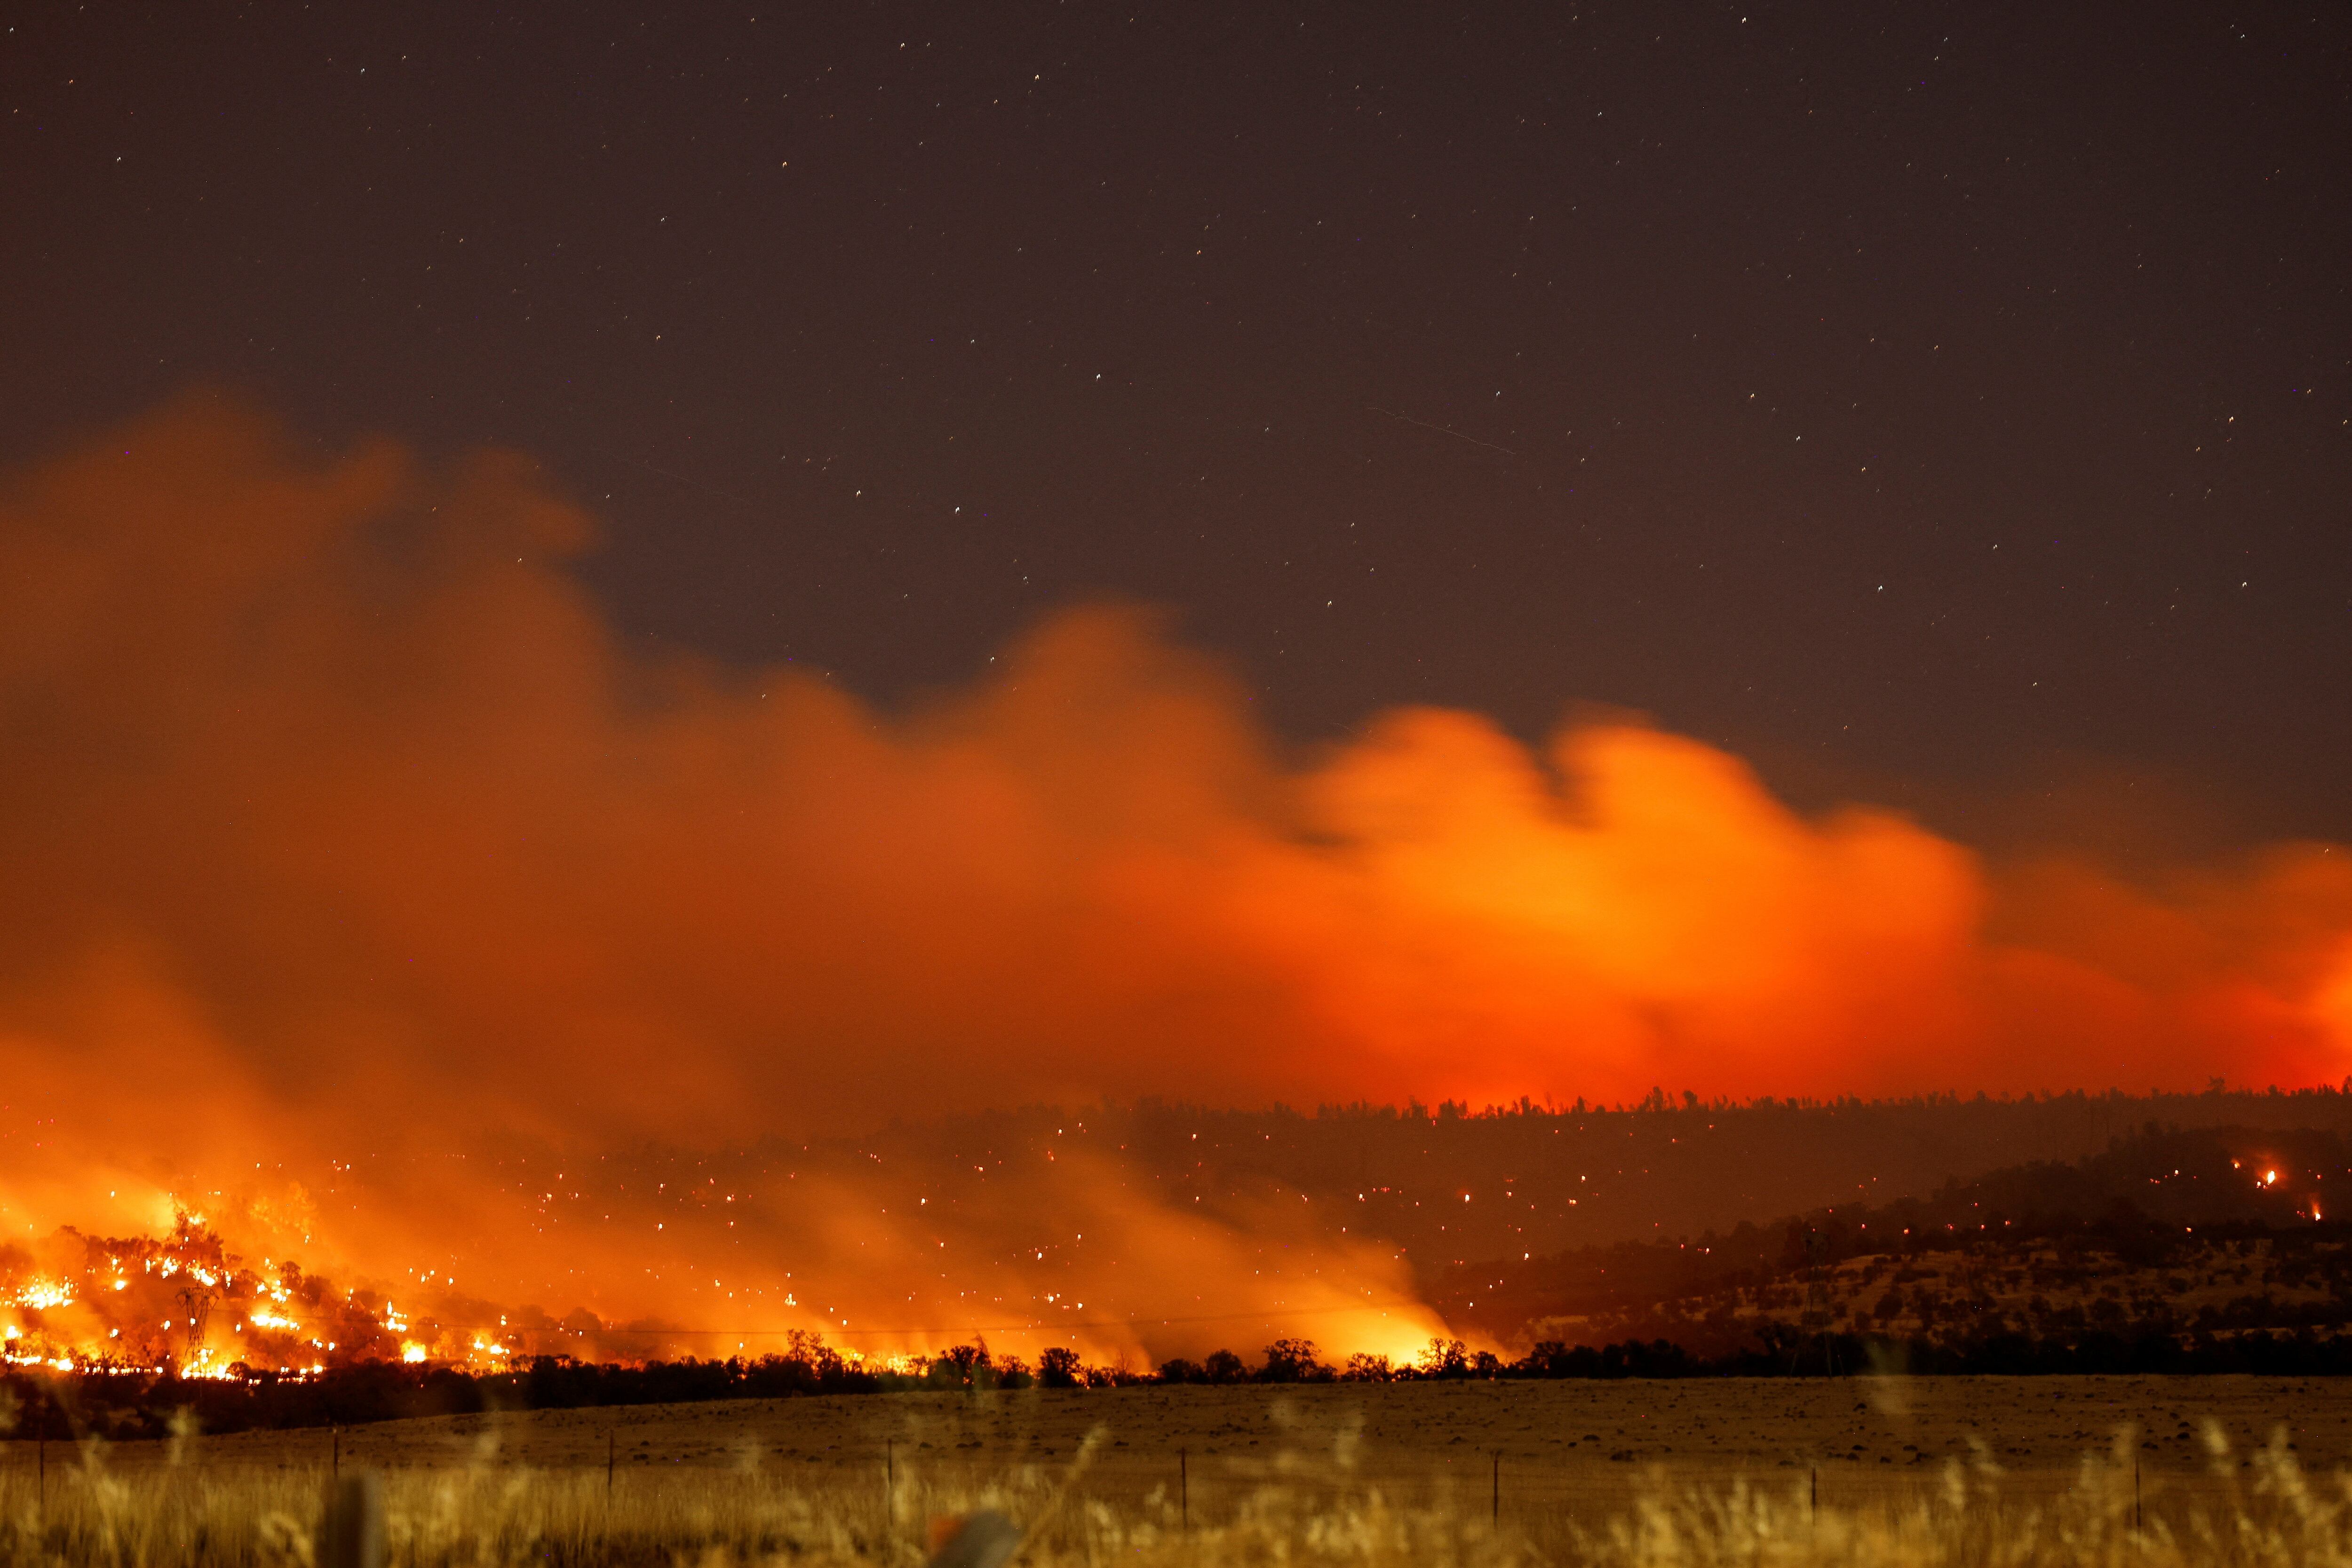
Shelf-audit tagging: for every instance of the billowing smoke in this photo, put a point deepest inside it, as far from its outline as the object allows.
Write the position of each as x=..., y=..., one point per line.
x=336, y=827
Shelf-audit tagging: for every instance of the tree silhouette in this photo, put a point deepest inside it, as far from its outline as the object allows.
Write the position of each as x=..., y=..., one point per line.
x=1293, y=1361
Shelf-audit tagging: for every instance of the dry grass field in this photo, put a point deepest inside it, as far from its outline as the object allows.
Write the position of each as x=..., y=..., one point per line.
x=1868, y=1469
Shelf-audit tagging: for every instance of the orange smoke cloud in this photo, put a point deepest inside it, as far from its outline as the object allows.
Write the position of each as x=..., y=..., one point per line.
x=336, y=817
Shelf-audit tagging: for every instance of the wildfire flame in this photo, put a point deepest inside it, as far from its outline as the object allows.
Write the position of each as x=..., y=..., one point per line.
x=183, y=1302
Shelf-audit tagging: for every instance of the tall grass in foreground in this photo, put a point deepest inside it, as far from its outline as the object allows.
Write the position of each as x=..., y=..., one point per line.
x=1296, y=1510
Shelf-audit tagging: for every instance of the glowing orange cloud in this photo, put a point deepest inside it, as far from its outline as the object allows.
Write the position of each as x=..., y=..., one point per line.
x=335, y=815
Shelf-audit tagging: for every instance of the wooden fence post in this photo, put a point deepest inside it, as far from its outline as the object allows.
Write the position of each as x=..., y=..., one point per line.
x=350, y=1526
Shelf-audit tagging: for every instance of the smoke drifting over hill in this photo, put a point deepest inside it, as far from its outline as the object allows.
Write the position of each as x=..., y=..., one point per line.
x=338, y=825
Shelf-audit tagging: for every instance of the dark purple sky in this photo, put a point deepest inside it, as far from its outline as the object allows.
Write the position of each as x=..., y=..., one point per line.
x=1947, y=404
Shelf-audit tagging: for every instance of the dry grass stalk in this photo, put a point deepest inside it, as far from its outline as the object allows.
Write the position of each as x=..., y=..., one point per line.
x=1295, y=1510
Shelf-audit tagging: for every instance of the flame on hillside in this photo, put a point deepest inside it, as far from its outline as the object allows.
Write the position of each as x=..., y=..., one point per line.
x=185, y=1304
x=78, y=1302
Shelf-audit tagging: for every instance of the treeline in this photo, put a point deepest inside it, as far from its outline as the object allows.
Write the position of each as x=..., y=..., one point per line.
x=1782, y=1350
x=129, y=1406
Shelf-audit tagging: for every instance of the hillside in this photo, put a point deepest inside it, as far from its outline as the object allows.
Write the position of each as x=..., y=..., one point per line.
x=2211, y=1231
x=1446, y=1184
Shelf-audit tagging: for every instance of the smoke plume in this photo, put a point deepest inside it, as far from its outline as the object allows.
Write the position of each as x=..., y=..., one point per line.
x=337, y=826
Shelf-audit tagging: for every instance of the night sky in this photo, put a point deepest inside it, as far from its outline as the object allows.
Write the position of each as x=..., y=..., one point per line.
x=1942, y=405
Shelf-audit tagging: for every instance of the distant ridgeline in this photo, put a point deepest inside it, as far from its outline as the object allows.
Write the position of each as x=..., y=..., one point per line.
x=1540, y=1178
x=2185, y=1251
x=1536, y=1178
